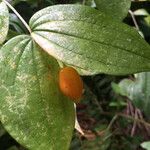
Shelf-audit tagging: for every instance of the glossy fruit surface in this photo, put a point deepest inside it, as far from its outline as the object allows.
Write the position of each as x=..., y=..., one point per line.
x=71, y=83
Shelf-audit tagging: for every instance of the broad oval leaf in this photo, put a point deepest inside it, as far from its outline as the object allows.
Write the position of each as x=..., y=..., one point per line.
x=89, y=40
x=32, y=108
x=115, y=8
x=4, y=21
x=138, y=91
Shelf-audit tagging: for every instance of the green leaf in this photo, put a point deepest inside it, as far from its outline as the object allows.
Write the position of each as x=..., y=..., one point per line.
x=32, y=108
x=138, y=91
x=115, y=8
x=89, y=40
x=146, y=145
x=4, y=21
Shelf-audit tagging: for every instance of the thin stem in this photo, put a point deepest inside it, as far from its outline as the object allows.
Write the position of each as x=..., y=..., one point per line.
x=97, y=103
x=77, y=125
x=135, y=23
x=18, y=15
x=134, y=20
x=135, y=123
x=128, y=117
x=112, y=122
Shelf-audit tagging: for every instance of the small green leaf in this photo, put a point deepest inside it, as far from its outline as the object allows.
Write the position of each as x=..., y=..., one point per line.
x=115, y=8
x=4, y=21
x=32, y=108
x=89, y=40
x=138, y=91
x=146, y=145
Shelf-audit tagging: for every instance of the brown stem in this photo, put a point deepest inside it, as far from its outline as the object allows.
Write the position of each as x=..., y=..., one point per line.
x=128, y=117
x=135, y=123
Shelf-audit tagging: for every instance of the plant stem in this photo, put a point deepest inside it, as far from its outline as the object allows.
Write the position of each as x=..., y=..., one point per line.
x=18, y=15
x=135, y=123
x=112, y=121
x=135, y=23
x=134, y=20
x=128, y=117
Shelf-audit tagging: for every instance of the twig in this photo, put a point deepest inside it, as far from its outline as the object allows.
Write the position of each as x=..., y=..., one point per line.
x=127, y=109
x=134, y=124
x=141, y=117
x=128, y=117
x=131, y=108
x=112, y=121
x=98, y=105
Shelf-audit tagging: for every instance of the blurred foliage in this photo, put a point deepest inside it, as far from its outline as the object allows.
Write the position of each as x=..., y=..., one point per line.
x=138, y=91
x=103, y=131
x=146, y=145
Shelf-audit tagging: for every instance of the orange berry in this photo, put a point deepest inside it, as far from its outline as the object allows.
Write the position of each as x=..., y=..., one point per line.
x=71, y=83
